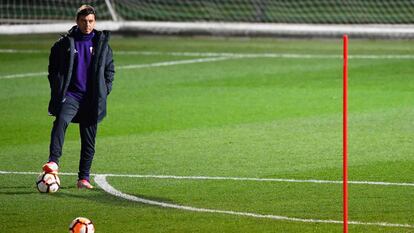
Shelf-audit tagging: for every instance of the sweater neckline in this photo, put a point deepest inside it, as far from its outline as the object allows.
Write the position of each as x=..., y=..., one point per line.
x=79, y=36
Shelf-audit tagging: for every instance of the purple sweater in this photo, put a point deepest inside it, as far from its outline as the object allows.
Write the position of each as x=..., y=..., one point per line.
x=84, y=51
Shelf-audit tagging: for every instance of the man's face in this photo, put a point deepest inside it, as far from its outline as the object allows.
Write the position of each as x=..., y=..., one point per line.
x=86, y=24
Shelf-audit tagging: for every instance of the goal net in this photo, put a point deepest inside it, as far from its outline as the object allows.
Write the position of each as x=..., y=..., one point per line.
x=367, y=18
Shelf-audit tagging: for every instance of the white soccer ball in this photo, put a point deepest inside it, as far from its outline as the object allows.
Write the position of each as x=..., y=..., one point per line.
x=48, y=183
x=81, y=225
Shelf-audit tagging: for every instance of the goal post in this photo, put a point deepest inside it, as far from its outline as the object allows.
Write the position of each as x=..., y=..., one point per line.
x=303, y=18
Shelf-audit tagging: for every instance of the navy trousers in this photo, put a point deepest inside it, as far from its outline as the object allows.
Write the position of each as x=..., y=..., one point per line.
x=70, y=108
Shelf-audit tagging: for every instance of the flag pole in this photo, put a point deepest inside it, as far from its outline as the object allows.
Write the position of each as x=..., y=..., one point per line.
x=345, y=133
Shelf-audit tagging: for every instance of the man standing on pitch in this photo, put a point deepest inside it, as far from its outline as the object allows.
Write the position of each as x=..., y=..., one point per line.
x=81, y=71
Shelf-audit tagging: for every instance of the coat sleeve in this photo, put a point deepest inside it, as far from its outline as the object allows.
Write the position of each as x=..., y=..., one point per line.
x=109, y=70
x=53, y=65
x=54, y=82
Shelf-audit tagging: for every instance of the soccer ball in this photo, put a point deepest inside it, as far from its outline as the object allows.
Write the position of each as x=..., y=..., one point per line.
x=48, y=183
x=81, y=225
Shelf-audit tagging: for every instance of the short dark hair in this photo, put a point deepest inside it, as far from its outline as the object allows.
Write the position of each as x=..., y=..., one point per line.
x=85, y=10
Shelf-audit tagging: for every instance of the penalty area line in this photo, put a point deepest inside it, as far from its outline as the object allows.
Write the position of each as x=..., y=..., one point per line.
x=101, y=181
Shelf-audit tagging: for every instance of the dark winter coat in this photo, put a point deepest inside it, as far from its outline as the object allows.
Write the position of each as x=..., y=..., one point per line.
x=61, y=68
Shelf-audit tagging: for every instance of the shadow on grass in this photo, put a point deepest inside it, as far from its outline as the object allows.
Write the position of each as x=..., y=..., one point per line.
x=94, y=195
x=100, y=196
x=17, y=190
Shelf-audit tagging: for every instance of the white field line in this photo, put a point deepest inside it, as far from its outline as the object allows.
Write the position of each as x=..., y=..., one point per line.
x=101, y=182
x=267, y=55
x=24, y=75
x=138, y=66
x=380, y=183
x=34, y=173
x=100, y=179
x=23, y=51
x=171, y=63
x=211, y=57
x=243, y=55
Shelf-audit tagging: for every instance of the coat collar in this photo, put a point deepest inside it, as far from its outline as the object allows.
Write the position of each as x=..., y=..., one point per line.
x=98, y=34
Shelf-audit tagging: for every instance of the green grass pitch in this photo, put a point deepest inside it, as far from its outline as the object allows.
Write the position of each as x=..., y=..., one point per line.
x=264, y=116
